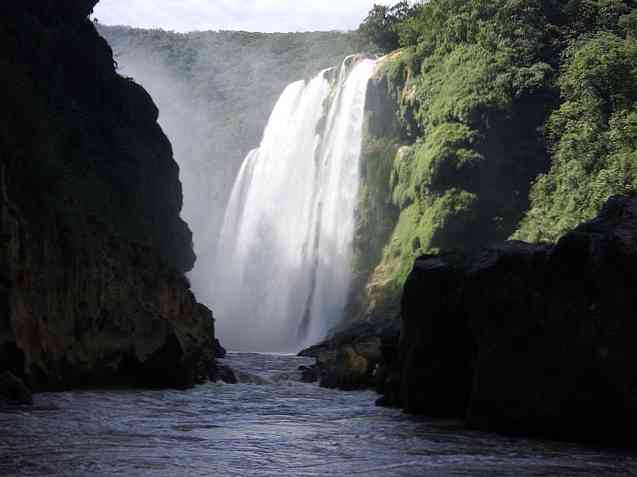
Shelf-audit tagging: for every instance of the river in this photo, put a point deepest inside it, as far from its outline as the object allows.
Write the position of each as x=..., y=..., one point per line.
x=271, y=425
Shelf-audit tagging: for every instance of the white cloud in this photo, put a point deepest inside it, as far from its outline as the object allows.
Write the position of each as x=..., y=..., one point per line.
x=250, y=15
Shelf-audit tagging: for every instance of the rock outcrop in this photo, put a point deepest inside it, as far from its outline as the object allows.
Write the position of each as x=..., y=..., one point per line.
x=350, y=358
x=92, y=249
x=527, y=339
x=13, y=390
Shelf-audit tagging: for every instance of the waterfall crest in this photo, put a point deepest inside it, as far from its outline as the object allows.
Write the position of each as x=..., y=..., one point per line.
x=283, y=262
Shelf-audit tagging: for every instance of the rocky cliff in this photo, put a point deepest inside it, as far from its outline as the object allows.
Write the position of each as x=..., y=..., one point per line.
x=92, y=248
x=527, y=339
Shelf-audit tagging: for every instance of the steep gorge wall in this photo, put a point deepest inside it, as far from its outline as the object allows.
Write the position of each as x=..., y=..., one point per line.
x=526, y=339
x=93, y=249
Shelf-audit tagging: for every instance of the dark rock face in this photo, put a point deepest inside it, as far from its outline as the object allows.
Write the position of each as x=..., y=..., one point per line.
x=310, y=374
x=92, y=249
x=13, y=390
x=527, y=339
x=81, y=307
x=220, y=351
x=86, y=138
x=350, y=359
x=225, y=374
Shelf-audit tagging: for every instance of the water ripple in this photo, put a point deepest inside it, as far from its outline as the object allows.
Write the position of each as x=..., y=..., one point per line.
x=276, y=429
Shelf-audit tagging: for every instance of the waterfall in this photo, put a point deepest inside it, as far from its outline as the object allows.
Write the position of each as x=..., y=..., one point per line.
x=283, y=265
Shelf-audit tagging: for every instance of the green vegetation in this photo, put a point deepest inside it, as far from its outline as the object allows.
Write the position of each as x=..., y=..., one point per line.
x=593, y=137
x=520, y=118
x=376, y=211
x=381, y=30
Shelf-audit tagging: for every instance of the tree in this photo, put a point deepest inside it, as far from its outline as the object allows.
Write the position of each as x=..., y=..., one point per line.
x=380, y=29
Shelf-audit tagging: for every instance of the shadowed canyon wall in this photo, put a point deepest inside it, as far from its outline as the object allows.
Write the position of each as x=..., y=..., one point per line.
x=93, y=250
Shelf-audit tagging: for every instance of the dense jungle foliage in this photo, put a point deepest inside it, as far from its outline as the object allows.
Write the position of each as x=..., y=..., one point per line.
x=518, y=119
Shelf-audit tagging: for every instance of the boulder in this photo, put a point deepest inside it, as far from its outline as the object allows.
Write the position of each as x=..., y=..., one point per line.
x=349, y=358
x=310, y=374
x=348, y=370
x=529, y=339
x=224, y=374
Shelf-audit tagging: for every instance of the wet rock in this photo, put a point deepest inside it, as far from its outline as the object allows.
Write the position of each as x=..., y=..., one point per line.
x=13, y=390
x=387, y=376
x=315, y=351
x=348, y=370
x=220, y=351
x=529, y=339
x=348, y=359
x=310, y=374
x=384, y=401
x=224, y=374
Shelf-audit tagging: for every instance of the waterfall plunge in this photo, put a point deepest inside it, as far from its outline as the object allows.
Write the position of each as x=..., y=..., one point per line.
x=284, y=259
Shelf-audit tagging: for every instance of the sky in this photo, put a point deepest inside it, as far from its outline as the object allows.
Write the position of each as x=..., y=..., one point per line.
x=249, y=15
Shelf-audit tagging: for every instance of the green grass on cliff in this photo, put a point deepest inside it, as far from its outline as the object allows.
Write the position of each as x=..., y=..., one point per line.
x=376, y=213
x=521, y=120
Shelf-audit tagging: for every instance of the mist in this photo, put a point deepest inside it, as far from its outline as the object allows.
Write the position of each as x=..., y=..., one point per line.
x=215, y=93
x=284, y=262
x=190, y=126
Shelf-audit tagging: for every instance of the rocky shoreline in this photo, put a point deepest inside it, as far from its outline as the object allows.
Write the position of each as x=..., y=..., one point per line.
x=516, y=338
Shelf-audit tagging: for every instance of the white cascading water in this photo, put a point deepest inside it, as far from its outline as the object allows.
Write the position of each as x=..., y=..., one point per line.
x=284, y=258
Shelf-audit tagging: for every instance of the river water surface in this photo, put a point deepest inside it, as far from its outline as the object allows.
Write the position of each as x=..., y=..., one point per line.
x=275, y=426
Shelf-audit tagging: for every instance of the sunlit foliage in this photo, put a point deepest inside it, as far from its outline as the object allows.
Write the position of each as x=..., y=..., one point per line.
x=521, y=117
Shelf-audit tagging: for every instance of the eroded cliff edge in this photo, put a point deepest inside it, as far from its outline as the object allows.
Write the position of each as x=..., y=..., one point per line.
x=526, y=339
x=92, y=248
